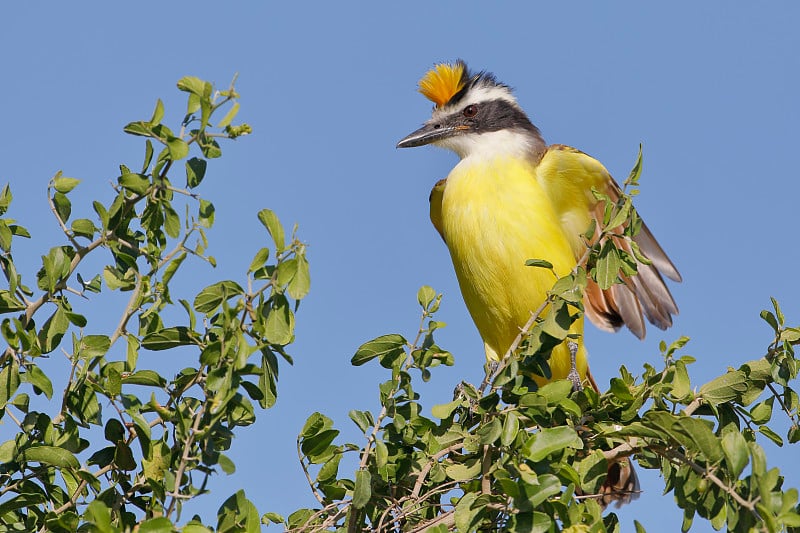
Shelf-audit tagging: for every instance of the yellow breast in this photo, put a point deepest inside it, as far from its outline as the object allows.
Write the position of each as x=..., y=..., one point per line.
x=495, y=216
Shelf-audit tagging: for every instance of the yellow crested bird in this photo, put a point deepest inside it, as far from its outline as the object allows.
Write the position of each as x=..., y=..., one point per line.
x=512, y=198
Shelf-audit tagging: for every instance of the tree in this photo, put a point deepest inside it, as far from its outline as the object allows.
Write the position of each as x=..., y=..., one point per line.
x=162, y=439
x=503, y=455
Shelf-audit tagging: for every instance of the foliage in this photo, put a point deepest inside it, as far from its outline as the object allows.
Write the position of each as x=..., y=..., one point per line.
x=510, y=456
x=123, y=447
x=161, y=438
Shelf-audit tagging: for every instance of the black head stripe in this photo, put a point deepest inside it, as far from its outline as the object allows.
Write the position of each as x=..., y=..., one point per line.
x=499, y=114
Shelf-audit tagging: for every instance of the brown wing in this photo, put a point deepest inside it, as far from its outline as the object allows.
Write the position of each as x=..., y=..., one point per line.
x=568, y=176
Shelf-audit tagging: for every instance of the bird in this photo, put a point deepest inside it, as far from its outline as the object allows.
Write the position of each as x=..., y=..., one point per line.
x=512, y=198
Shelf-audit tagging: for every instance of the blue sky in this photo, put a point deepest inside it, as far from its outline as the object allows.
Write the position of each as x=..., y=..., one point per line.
x=710, y=89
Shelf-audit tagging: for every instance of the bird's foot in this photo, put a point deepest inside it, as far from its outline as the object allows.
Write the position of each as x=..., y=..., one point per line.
x=574, y=376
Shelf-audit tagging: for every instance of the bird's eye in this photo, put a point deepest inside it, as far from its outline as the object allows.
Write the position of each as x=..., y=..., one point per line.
x=470, y=111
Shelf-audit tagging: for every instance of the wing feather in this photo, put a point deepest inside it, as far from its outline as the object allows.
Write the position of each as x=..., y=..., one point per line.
x=568, y=176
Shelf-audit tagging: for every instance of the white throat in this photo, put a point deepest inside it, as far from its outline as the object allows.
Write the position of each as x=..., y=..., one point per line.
x=514, y=143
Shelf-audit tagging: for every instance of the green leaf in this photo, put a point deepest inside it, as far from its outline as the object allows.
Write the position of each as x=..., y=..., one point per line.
x=702, y=436
x=725, y=388
x=169, y=338
x=149, y=378
x=621, y=215
x=384, y=346
x=53, y=330
x=226, y=464
x=556, y=391
x=557, y=321
x=172, y=222
x=636, y=171
x=9, y=382
x=195, y=171
x=771, y=435
x=762, y=411
x=425, y=295
x=608, y=263
x=156, y=525
x=49, y=455
x=99, y=515
x=279, y=324
x=229, y=116
x=592, y=470
x=8, y=450
x=136, y=183
x=206, y=213
x=267, y=378
x=9, y=303
x=38, y=379
x=510, y=428
x=259, y=260
x=539, y=263
x=139, y=128
x=490, y=432
x=64, y=185
x=550, y=440
x=363, y=489
x=548, y=485
x=83, y=227
x=319, y=442
x=158, y=113
x=173, y=267
x=211, y=298
x=63, y=206
x=301, y=281
x=270, y=221
x=363, y=419
x=114, y=431
x=466, y=513
x=94, y=345
x=463, y=471
x=443, y=411
x=178, y=149
x=101, y=213
x=275, y=518
x=736, y=452
x=192, y=84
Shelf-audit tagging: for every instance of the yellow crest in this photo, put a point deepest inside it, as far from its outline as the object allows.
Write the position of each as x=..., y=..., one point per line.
x=442, y=82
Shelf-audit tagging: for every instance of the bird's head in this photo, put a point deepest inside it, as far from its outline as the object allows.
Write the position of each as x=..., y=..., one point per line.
x=473, y=114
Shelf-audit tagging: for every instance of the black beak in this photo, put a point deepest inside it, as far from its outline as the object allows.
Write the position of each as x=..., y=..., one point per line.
x=429, y=133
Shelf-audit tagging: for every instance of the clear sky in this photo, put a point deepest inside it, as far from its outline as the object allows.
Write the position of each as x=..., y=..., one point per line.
x=709, y=88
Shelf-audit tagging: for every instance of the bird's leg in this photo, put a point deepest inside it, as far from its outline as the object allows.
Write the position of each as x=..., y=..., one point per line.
x=573, y=375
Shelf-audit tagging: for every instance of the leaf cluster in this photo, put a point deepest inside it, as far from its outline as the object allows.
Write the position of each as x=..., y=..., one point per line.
x=509, y=455
x=162, y=437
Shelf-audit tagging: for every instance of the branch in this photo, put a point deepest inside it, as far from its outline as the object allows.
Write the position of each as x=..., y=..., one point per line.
x=61, y=223
x=427, y=468
x=447, y=519
x=185, y=459
x=680, y=458
x=317, y=495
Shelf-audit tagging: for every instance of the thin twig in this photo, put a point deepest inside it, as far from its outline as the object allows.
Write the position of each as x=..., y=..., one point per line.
x=447, y=519
x=708, y=474
x=780, y=401
x=427, y=468
x=316, y=493
x=187, y=446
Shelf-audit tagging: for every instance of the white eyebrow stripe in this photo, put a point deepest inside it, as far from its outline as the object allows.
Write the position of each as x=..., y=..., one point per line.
x=476, y=95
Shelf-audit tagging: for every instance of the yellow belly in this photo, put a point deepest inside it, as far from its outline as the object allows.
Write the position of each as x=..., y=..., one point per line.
x=495, y=216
